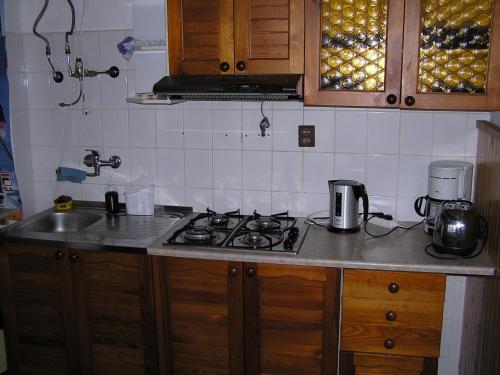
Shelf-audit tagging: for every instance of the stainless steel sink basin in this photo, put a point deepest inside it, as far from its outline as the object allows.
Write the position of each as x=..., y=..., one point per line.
x=61, y=222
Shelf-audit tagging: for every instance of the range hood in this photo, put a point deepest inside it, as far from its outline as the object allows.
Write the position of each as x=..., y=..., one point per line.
x=228, y=87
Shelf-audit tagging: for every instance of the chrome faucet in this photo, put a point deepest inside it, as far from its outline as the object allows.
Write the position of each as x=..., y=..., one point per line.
x=93, y=160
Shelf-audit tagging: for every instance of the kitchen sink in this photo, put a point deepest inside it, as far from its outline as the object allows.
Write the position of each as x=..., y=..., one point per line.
x=61, y=222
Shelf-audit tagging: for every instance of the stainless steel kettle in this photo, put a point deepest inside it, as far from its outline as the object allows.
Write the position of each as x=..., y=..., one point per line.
x=458, y=228
x=344, y=196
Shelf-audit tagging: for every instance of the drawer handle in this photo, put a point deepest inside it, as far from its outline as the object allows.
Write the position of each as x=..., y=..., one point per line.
x=233, y=271
x=391, y=316
x=393, y=288
x=389, y=343
x=251, y=272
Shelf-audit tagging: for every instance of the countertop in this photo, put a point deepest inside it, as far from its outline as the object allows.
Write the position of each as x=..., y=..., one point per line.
x=403, y=250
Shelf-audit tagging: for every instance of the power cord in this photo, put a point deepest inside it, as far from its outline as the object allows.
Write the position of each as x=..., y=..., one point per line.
x=381, y=215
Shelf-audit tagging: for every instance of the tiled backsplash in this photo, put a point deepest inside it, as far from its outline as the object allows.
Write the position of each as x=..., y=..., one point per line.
x=211, y=153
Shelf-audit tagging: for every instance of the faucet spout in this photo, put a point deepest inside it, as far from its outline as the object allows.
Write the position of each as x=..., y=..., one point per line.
x=93, y=160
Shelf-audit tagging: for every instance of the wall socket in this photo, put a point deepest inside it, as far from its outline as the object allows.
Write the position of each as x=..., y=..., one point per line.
x=307, y=136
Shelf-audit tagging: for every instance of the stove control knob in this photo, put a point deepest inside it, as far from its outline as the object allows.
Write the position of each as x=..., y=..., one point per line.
x=292, y=237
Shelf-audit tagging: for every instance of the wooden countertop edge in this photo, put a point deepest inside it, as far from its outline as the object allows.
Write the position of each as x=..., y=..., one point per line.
x=489, y=128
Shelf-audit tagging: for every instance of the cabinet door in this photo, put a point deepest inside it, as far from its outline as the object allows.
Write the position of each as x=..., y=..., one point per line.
x=269, y=36
x=353, y=52
x=113, y=299
x=36, y=301
x=291, y=319
x=199, y=315
x=200, y=37
x=451, y=55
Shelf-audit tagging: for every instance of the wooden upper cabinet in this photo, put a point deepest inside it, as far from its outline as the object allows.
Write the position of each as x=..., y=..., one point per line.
x=451, y=55
x=355, y=54
x=200, y=36
x=244, y=37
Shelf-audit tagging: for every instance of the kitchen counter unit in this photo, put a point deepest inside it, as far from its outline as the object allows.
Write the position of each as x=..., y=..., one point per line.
x=402, y=250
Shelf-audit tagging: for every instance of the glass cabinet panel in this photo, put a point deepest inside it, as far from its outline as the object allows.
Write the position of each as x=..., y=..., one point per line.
x=454, y=45
x=353, y=45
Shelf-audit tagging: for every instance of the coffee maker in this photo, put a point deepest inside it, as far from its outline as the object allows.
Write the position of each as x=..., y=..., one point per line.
x=447, y=180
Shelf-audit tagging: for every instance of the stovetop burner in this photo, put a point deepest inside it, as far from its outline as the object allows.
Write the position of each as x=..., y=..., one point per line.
x=231, y=230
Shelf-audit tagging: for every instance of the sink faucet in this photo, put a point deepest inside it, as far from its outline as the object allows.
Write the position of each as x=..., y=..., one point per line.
x=94, y=160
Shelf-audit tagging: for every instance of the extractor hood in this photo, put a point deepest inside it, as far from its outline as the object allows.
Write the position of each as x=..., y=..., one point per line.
x=228, y=87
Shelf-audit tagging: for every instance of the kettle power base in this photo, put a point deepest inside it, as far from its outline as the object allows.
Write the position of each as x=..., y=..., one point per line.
x=342, y=230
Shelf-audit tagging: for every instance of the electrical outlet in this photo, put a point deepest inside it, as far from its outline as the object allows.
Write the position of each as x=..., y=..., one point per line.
x=306, y=136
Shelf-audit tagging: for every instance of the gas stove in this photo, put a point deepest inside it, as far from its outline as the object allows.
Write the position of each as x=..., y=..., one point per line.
x=232, y=230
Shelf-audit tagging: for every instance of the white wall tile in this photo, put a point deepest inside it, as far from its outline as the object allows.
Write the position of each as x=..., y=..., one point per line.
x=318, y=169
x=23, y=165
x=20, y=128
x=198, y=129
x=142, y=128
x=257, y=170
x=199, y=169
x=450, y=129
x=285, y=129
x=405, y=210
x=121, y=175
x=350, y=131
x=383, y=132
x=416, y=133
x=283, y=202
x=64, y=92
x=256, y=200
x=315, y=204
x=149, y=19
x=40, y=123
x=65, y=127
x=227, y=200
x=170, y=167
x=149, y=67
x=108, y=53
x=287, y=171
x=88, y=50
x=170, y=196
x=44, y=195
x=377, y=203
x=115, y=128
x=252, y=139
x=71, y=189
x=169, y=128
x=413, y=175
x=142, y=166
x=471, y=142
x=93, y=192
x=381, y=175
x=114, y=91
x=324, y=122
x=38, y=90
x=227, y=169
x=227, y=129
x=14, y=44
x=90, y=131
x=18, y=94
x=199, y=199
x=350, y=167
x=44, y=163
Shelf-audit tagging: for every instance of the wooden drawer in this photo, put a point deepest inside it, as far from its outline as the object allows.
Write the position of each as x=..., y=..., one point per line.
x=368, y=338
x=408, y=286
x=394, y=313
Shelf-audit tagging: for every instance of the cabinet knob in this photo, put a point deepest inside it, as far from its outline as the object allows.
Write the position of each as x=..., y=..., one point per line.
x=393, y=288
x=389, y=343
x=240, y=65
x=224, y=66
x=391, y=316
x=74, y=258
x=409, y=101
x=233, y=271
x=59, y=254
x=250, y=271
x=392, y=99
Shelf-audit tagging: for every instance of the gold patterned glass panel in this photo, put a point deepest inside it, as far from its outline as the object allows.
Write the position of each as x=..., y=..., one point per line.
x=454, y=43
x=353, y=44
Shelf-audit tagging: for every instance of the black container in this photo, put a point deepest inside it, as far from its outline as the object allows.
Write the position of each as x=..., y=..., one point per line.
x=111, y=202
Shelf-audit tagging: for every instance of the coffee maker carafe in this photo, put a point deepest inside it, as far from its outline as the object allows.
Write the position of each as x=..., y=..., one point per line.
x=448, y=180
x=344, y=196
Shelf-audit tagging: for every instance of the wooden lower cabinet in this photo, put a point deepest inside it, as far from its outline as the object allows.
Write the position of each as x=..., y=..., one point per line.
x=218, y=317
x=76, y=312
x=391, y=322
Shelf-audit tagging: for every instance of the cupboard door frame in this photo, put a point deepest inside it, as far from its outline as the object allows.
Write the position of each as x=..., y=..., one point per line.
x=314, y=95
x=452, y=101
x=8, y=307
x=178, y=65
x=294, y=64
x=83, y=304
